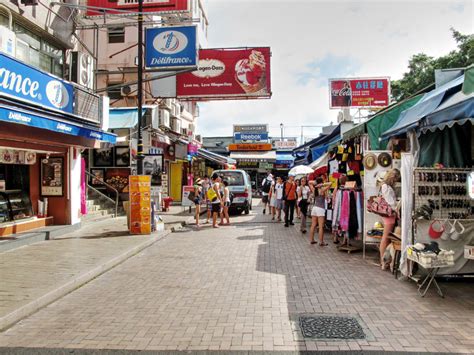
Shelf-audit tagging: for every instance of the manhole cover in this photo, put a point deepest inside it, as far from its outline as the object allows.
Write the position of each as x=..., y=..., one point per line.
x=331, y=327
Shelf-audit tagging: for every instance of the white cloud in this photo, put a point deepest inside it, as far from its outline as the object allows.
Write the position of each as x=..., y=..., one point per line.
x=367, y=38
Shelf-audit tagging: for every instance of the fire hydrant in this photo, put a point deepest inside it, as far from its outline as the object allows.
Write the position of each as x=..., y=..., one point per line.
x=166, y=203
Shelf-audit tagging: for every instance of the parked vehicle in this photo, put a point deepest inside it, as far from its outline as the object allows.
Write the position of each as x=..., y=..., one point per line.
x=240, y=186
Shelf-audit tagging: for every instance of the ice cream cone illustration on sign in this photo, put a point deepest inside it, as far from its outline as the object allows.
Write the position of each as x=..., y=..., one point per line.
x=250, y=73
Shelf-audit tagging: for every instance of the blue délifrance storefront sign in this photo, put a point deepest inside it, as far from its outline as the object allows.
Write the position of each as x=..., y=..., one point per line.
x=10, y=114
x=22, y=82
x=171, y=47
x=254, y=137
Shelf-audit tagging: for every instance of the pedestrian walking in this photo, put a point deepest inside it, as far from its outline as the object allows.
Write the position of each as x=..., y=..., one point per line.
x=214, y=196
x=205, y=187
x=303, y=192
x=289, y=196
x=198, y=196
x=273, y=199
x=225, y=204
x=278, y=189
x=387, y=191
x=318, y=209
x=297, y=207
x=266, y=186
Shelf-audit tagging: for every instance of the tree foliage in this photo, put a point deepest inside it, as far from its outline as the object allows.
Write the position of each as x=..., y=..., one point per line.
x=421, y=67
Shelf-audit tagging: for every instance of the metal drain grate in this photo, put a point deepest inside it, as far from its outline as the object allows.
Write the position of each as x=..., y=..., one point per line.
x=331, y=327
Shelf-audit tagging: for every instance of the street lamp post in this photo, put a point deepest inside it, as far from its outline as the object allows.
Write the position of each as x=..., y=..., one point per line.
x=281, y=130
x=140, y=88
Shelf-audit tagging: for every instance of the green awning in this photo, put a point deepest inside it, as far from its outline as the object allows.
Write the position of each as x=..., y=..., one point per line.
x=385, y=120
x=468, y=85
x=355, y=131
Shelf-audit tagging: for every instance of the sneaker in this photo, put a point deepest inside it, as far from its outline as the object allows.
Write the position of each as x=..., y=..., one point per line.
x=286, y=225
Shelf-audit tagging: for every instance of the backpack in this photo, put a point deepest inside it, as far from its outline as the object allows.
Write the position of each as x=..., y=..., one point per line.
x=211, y=194
x=266, y=186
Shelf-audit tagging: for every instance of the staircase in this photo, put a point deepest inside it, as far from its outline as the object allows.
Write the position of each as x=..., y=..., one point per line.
x=99, y=207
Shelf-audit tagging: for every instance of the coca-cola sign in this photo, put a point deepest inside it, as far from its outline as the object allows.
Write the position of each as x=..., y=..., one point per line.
x=359, y=92
x=228, y=74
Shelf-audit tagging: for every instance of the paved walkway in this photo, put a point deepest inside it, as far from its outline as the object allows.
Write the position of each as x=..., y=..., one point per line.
x=244, y=287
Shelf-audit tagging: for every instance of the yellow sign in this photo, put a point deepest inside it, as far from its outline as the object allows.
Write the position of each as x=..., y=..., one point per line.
x=250, y=146
x=140, y=204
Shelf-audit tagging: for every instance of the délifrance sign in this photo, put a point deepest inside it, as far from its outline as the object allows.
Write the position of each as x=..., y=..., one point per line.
x=171, y=47
x=22, y=82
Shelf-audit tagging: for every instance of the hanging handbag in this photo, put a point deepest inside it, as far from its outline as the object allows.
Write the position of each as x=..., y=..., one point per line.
x=378, y=205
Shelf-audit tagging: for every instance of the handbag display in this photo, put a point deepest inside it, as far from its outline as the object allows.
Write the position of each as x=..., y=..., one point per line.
x=378, y=205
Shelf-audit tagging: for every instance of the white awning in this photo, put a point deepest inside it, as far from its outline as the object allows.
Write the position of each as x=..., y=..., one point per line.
x=321, y=161
x=269, y=156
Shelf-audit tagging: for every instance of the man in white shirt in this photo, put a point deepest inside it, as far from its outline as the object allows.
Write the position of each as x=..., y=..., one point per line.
x=266, y=186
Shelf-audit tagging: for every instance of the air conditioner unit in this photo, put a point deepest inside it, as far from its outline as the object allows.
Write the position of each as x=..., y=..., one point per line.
x=176, y=125
x=7, y=41
x=129, y=90
x=164, y=118
x=82, y=69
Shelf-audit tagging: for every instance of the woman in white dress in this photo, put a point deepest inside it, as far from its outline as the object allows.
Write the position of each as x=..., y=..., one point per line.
x=273, y=200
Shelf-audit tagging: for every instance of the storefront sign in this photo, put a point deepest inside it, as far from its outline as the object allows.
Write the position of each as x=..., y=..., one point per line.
x=181, y=151
x=359, y=92
x=24, y=83
x=192, y=149
x=52, y=177
x=33, y=120
x=252, y=137
x=286, y=144
x=251, y=128
x=228, y=74
x=247, y=164
x=12, y=156
x=171, y=47
x=250, y=147
x=266, y=166
x=140, y=204
x=186, y=202
x=131, y=6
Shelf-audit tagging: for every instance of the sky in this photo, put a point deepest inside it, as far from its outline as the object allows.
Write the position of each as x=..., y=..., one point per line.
x=312, y=41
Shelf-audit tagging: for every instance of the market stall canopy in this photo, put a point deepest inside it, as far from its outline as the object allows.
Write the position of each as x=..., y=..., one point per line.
x=285, y=159
x=468, y=85
x=220, y=159
x=321, y=161
x=123, y=118
x=410, y=118
x=269, y=156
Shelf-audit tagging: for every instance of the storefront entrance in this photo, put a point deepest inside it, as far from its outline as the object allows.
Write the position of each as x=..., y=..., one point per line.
x=176, y=178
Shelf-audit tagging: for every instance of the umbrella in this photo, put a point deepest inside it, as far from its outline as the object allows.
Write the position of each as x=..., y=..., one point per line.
x=300, y=170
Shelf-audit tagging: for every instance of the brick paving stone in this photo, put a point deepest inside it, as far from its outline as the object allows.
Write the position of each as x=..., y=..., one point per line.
x=242, y=288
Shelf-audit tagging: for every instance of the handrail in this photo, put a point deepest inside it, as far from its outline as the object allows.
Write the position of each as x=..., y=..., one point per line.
x=104, y=195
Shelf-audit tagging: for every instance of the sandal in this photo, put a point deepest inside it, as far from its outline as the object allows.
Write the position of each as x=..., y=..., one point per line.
x=323, y=244
x=313, y=242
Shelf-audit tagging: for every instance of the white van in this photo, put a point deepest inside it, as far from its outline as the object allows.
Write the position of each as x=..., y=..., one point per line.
x=240, y=186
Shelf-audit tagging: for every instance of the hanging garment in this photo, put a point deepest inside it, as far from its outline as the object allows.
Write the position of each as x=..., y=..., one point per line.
x=83, y=187
x=353, y=223
x=360, y=210
x=336, y=209
x=344, y=216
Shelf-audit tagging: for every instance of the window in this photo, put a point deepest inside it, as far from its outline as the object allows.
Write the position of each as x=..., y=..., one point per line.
x=114, y=93
x=116, y=34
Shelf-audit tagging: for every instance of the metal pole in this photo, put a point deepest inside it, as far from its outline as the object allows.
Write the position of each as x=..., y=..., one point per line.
x=281, y=131
x=140, y=88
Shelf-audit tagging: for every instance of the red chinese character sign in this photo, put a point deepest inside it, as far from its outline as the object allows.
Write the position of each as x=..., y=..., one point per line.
x=359, y=92
x=228, y=74
x=152, y=6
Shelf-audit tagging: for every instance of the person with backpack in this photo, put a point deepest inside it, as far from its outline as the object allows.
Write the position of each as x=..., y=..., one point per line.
x=266, y=186
x=289, y=196
x=214, y=196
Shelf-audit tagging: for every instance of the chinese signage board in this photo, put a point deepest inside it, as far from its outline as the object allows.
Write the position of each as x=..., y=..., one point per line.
x=251, y=128
x=171, y=47
x=22, y=82
x=359, y=92
x=228, y=74
x=285, y=144
x=140, y=204
x=52, y=177
x=247, y=164
x=265, y=165
x=152, y=6
x=250, y=147
x=251, y=137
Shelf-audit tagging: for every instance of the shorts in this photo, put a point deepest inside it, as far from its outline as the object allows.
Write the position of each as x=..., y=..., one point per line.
x=227, y=204
x=216, y=208
x=265, y=199
x=318, y=212
x=388, y=220
x=279, y=204
x=197, y=201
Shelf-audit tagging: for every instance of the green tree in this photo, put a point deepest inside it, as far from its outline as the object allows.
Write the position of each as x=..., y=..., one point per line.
x=421, y=67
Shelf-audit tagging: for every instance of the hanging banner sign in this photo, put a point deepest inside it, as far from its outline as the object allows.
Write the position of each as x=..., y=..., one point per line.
x=22, y=82
x=285, y=144
x=251, y=128
x=359, y=92
x=253, y=137
x=250, y=147
x=151, y=6
x=228, y=74
x=171, y=47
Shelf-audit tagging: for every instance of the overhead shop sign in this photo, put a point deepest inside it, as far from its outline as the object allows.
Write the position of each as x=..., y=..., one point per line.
x=32, y=120
x=228, y=74
x=250, y=147
x=359, y=92
x=171, y=47
x=250, y=137
x=151, y=6
x=251, y=128
x=22, y=82
x=285, y=144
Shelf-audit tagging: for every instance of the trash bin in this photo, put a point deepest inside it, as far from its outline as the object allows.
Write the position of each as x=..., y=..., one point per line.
x=166, y=203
